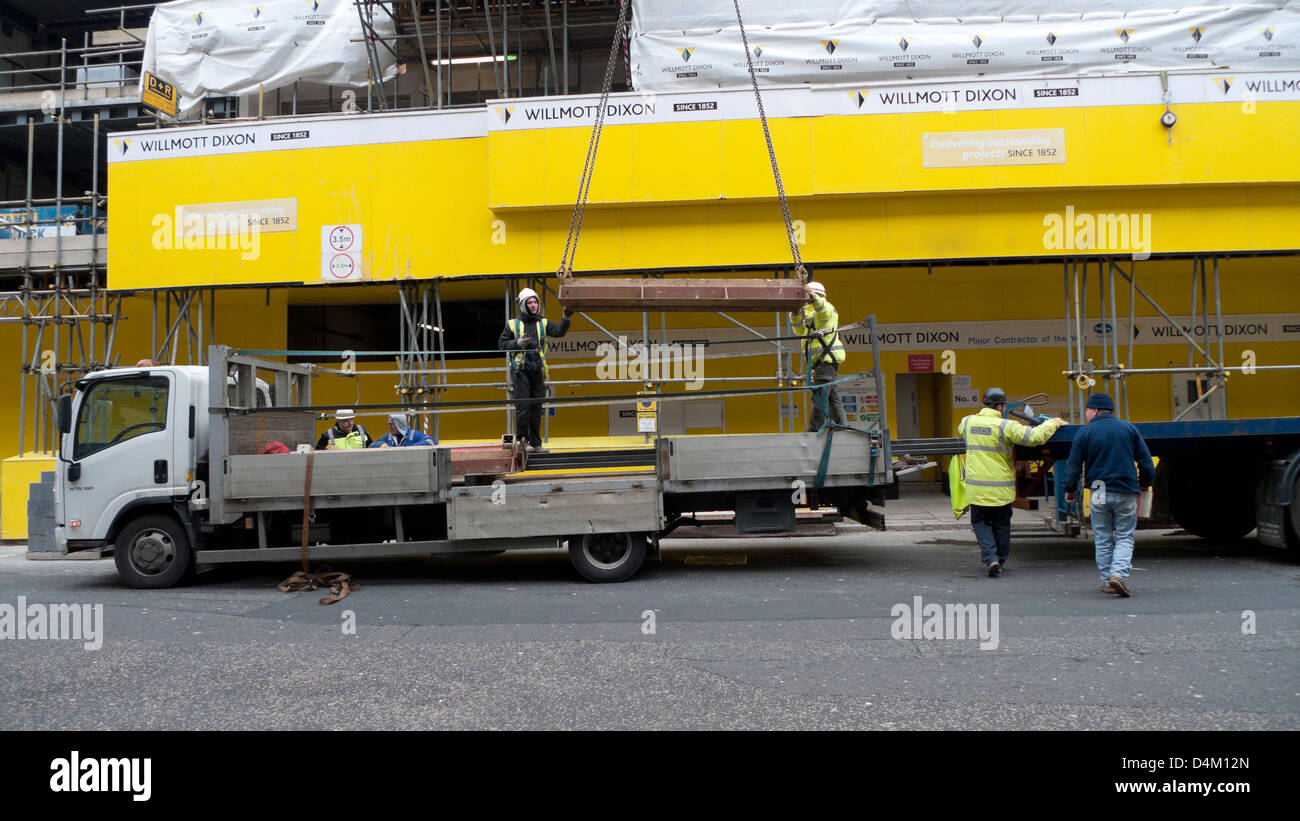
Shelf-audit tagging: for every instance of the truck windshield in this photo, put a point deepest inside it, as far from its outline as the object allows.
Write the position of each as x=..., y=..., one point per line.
x=116, y=410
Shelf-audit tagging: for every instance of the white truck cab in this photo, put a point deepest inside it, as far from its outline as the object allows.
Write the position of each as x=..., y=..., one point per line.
x=133, y=443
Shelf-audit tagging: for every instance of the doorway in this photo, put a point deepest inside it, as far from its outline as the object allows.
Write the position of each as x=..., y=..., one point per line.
x=922, y=410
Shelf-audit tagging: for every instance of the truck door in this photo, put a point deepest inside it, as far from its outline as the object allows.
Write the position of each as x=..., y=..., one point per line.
x=122, y=448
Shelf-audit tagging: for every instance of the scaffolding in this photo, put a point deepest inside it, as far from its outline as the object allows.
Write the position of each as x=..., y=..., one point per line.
x=450, y=38
x=1205, y=360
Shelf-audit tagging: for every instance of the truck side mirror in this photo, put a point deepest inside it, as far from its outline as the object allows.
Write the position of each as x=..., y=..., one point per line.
x=63, y=413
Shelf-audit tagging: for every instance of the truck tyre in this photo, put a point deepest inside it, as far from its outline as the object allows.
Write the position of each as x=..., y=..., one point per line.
x=1218, y=510
x=153, y=551
x=607, y=557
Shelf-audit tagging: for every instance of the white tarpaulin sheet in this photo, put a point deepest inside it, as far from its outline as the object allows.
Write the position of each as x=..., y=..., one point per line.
x=231, y=48
x=696, y=44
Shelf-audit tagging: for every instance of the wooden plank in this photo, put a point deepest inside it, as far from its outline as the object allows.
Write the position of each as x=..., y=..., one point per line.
x=615, y=294
x=250, y=432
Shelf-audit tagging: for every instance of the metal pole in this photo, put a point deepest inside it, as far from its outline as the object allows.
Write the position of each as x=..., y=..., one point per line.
x=1078, y=330
x=1218, y=320
x=1192, y=316
x=1205, y=322
x=424, y=58
x=1161, y=311
x=550, y=35
x=26, y=292
x=437, y=6
x=505, y=46
x=1114, y=330
x=645, y=346
x=492, y=48
x=94, y=236
x=564, y=27
x=1069, y=334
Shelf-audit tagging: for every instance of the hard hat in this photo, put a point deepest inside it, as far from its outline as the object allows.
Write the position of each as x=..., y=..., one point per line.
x=994, y=396
x=524, y=296
x=817, y=287
x=344, y=413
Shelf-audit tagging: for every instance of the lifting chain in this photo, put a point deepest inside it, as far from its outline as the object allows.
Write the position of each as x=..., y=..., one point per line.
x=589, y=166
x=771, y=153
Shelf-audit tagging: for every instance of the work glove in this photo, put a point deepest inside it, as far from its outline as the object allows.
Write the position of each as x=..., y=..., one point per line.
x=528, y=343
x=568, y=312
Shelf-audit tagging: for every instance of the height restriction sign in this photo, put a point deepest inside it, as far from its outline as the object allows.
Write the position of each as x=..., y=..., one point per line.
x=340, y=253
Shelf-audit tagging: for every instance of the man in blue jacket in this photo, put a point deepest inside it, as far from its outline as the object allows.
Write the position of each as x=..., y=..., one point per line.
x=402, y=435
x=1110, y=447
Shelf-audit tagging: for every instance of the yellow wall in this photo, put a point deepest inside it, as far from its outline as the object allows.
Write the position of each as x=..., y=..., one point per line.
x=691, y=195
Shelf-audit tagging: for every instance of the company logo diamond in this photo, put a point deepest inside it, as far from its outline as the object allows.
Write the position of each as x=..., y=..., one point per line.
x=1197, y=32
x=315, y=4
x=977, y=40
x=505, y=112
x=903, y=44
x=860, y=97
x=1267, y=32
x=830, y=45
x=1124, y=34
x=1225, y=83
x=686, y=54
x=758, y=51
x=123, y=145
x=198, y=18
x=257, y=11
x=1051, y=39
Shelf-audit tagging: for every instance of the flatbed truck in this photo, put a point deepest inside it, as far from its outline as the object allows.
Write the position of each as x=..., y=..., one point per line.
x=164, y=467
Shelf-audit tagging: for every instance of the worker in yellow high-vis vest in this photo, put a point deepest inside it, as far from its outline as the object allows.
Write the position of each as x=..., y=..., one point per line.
x=990, y=477
x=526, y=335
x=823, y=351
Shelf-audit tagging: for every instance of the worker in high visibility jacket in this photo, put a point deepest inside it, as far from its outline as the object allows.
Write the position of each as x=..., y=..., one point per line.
x=344, y=434
x=823, y=352
x=990, y=474
x=526, y=335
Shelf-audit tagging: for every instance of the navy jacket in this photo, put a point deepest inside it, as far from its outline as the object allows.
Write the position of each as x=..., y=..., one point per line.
x=1109, y=446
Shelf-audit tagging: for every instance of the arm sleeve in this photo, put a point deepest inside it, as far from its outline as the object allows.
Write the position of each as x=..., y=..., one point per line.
x=1073, y=469
x=557, y=329
x=507, y=342
x=366, y=441
x=796, y=323
x=1146, y=467
x=827, y=316
x=1032, y=437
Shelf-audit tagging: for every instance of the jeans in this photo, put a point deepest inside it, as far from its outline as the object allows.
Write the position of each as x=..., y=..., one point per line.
x=1113, y=524
x=993, y=529
x=825, y=371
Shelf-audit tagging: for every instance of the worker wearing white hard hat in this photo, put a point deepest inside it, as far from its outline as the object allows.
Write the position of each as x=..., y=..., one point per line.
x=526, y=335
x=345, y=434
x=819, y=322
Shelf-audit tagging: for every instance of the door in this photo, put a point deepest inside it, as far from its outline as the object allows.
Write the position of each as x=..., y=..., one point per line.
x=122, y=447
x=922, y=410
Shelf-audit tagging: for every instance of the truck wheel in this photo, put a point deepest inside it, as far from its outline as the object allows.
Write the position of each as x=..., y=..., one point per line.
x=1217, y=511
x=153, y=551
x=607, y=557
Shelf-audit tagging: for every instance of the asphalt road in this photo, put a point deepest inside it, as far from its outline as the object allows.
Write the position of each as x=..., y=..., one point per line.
x=747, y=634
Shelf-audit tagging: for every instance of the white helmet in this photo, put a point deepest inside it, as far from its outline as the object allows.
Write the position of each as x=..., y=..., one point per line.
x=817, y=288
x=525, y=295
